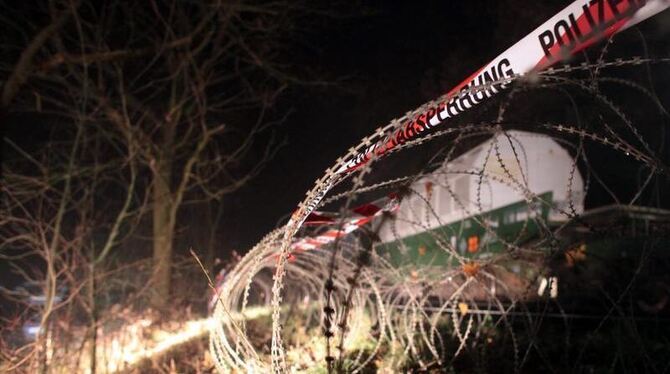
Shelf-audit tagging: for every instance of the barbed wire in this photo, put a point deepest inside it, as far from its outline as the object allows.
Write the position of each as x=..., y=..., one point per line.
x=473, y=255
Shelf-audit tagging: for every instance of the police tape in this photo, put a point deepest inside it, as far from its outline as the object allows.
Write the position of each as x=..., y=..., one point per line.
x=342, y=226
x=579, y=25
x=576, y=27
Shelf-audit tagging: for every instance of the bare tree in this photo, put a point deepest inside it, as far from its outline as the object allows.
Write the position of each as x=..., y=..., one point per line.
x=56, y=231
x=186, y=88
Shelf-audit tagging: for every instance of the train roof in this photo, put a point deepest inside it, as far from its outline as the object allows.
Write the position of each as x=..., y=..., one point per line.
x=519, y=137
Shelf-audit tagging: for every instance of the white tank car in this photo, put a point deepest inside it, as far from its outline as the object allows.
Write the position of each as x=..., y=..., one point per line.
x=512, y=178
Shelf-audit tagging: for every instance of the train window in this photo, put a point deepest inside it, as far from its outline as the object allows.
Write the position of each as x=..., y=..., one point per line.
x=429, y=190
x=443, y=201
x=473, y=244
x=462, y=190
x=433, y=192
x=416, y=206
x=522, y=214
x=509, y=217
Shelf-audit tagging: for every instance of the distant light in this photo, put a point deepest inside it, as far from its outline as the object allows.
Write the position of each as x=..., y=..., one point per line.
x=31, y=330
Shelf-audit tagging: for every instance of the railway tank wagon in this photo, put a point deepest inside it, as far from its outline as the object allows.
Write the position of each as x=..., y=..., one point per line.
x=499, y=195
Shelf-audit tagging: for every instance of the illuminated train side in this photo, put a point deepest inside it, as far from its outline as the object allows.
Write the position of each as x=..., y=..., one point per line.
x=501, y=193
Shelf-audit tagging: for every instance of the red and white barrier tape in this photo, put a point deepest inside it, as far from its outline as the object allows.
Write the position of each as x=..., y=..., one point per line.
x=579, y=25
x=576, y=27
x=573, y=29
x=360, y=216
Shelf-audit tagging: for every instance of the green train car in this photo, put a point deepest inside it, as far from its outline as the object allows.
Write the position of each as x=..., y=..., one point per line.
x=515, y=205
x=479, y=236
x=499, y=195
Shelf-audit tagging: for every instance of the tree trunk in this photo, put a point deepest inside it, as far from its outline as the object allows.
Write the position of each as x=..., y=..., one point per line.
x=163, y=229
x=93, y=317
x=213, y=225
